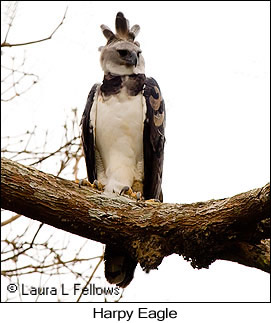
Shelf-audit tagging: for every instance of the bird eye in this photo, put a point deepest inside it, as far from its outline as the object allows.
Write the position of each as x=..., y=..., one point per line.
x=123, y=52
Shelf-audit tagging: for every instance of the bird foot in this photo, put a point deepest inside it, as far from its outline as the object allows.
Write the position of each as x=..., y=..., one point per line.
x=83, y=182
x=96, y=184
x=128, y=191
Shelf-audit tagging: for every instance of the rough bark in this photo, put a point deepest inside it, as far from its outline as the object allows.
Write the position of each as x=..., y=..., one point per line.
x=235, y=228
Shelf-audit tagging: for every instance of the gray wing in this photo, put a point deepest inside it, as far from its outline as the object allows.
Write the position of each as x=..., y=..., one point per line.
x=88, y=136
x=153, y=140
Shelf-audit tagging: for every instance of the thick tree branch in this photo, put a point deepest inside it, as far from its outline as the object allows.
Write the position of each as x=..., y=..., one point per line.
x=235, y=228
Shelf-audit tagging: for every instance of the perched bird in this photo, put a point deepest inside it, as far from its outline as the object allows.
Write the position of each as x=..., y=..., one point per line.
x=123, y=133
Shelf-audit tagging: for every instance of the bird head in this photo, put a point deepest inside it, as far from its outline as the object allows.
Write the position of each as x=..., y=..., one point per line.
x=122, y=54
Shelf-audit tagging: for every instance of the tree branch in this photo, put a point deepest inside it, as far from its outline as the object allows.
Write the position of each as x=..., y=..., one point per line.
x=6, y=44
x=235, y=228
x=13, y=218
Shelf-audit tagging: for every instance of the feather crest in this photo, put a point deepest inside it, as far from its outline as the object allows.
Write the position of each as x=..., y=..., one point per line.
x=108, y=33
x=123, y=30
x=122, y=25
x=135, y=30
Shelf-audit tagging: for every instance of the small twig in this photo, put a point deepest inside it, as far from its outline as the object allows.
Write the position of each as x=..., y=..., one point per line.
x=15, y=76
x=5, y=44
x=53, y=153
x=42, y=267
x=121, y=295
x=12, y=16
x=91, y=276
x=13, y=218
x=31, y=244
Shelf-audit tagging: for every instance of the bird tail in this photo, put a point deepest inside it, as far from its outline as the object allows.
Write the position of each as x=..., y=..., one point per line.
x=119, y=266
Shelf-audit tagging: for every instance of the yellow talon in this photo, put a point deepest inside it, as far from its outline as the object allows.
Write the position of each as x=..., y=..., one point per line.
x=84, y=182
x=98, y=185
x=128, y=191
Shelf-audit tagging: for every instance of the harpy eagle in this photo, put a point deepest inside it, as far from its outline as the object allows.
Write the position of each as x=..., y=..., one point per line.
x=123, y=132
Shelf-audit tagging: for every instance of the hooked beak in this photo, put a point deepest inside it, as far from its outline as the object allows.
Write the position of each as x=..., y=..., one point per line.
x=131, y=59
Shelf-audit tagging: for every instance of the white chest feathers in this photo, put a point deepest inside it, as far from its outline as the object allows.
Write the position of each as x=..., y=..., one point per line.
x=119, y=126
